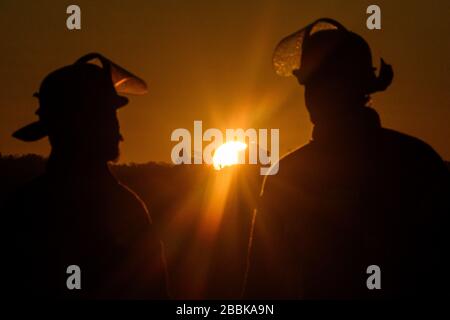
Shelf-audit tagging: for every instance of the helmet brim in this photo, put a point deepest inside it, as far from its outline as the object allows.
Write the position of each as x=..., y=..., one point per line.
x=32, y=132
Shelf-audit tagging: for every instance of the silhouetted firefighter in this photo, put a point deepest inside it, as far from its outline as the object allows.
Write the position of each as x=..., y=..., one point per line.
x=356, y=195
x=77, y=213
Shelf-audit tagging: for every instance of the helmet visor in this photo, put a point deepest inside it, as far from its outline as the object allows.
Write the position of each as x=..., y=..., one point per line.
x=123, y=80
x=288, y=53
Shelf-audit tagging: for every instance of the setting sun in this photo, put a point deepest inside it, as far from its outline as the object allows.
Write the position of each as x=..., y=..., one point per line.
x=228, y=154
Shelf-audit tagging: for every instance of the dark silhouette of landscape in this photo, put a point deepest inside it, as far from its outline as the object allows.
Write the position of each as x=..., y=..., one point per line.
x=175, y=197
x=164, y=188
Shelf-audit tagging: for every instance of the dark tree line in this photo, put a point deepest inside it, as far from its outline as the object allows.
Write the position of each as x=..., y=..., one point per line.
x=186, y=203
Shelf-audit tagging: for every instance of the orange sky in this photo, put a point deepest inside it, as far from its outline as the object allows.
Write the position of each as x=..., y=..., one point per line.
x=211, y=61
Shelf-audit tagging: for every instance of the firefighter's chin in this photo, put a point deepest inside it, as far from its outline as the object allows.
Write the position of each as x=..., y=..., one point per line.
x=112, y=154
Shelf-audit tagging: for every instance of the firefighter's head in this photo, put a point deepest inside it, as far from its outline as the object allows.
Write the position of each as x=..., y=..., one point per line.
x=334, y=65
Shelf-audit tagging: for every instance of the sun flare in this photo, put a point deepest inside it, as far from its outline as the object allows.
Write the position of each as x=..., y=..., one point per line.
x=228, y=154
